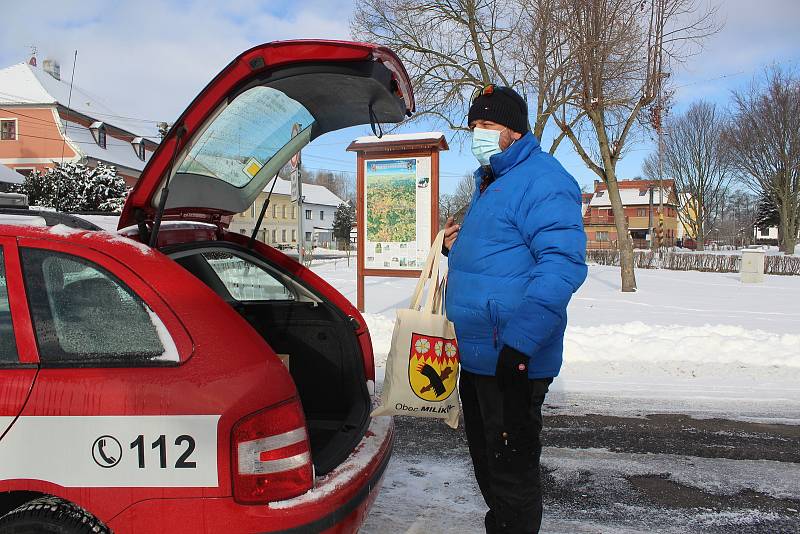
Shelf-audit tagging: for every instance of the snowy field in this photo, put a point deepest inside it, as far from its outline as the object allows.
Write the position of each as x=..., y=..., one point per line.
x=702, y=345
x=688, y=341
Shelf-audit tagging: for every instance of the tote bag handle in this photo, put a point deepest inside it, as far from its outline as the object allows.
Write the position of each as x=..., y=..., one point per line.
x=430, y=271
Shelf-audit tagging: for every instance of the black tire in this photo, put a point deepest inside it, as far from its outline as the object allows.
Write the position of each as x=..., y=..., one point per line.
x=50, y=515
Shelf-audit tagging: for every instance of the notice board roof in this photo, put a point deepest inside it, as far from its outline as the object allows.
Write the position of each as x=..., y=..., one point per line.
x=398, y=142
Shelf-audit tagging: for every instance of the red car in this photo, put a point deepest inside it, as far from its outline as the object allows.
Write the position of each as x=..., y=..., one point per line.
x=180, y=377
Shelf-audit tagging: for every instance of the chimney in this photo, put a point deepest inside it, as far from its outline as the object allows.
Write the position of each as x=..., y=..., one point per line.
x=52, y=67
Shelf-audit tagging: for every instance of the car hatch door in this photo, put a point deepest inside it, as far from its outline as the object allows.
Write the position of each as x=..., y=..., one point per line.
x=255, y=115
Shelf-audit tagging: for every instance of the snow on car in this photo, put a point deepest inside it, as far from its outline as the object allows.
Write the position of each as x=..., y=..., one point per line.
x=178, y=377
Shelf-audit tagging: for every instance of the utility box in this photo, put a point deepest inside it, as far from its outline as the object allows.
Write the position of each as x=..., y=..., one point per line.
x=752, y=269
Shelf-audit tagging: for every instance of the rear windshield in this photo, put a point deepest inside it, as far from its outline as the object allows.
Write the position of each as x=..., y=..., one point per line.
x=245, y=136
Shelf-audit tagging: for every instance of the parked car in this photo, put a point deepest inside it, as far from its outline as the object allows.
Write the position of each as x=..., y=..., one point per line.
x=177, y=377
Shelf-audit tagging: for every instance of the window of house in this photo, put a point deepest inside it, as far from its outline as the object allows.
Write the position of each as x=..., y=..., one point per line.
x=84, y=315
x=308, y=236
x=283, y=211
x=601, y=236
x=274, y=236
x=275, y=211
x=308, y=214
x=764, y=232
x=245, y=280
x=8, y=345
x=101, y=137
x=8, y=130
x=294, y=236
x=321, y=215
x=641, y=212
x=283, y=236
x=242, y=231
x=253, y=210
x=294, y=212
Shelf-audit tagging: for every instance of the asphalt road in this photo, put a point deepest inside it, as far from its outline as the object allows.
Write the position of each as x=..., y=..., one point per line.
x=657, y=473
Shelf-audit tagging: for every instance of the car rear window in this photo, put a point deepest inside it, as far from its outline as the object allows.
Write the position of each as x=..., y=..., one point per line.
x=245, y=136
x=84, y=315
x=244, y=280
x=8, y=345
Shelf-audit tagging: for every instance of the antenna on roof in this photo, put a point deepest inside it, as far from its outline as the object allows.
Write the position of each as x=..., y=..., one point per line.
x=66, y=125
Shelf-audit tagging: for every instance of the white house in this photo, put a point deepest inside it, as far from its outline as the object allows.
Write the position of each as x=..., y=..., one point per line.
x=767, y=235
x=319, y=208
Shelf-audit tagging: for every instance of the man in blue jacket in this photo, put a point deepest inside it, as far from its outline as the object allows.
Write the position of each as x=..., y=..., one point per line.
x=514, y=263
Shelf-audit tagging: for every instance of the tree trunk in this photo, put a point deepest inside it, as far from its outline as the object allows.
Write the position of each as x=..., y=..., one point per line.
x=788, y=240
x=624, y=241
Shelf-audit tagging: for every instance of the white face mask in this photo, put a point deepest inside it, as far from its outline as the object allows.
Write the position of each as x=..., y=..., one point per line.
x=485, y=144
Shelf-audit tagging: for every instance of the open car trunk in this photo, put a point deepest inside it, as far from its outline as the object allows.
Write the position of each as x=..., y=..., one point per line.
x=315, y=339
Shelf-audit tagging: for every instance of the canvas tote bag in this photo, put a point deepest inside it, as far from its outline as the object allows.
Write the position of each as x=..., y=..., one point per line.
x=423, y=362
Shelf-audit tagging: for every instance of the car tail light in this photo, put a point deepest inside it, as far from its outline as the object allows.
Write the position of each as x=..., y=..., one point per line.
x=271, y=455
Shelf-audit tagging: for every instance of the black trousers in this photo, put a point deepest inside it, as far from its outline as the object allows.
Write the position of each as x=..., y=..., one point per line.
x=506, y=460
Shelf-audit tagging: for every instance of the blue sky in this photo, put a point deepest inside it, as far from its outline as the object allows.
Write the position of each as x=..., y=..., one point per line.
x=148, y=59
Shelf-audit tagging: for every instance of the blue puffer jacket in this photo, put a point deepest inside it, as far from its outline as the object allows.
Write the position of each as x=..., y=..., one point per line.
x=519, y=256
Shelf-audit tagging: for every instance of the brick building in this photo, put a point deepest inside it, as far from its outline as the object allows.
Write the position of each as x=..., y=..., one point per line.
x=640, y=201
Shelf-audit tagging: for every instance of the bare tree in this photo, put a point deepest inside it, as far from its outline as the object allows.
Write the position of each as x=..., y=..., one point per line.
x=765, y=146
x=452, y=48
x=694, y=156
x=446, y=208
x=464, y=191
x=621, y=50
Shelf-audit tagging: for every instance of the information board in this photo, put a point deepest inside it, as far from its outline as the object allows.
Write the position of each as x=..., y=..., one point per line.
x=397, y=212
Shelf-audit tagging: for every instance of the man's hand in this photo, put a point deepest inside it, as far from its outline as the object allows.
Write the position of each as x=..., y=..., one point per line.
x=450, y=233
x=514, y=385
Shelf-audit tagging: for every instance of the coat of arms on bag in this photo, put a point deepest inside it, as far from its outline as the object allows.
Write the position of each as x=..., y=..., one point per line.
x=433, y=367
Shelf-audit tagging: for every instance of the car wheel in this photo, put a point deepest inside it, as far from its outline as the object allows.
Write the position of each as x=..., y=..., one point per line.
x=50, y=515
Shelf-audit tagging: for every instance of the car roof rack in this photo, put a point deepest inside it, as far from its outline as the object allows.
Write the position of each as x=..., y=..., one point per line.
x=52, y=218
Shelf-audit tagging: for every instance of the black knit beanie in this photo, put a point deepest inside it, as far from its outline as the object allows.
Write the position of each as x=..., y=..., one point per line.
x=502, y=105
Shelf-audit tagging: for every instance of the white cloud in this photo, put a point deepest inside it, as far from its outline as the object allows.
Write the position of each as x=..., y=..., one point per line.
x=148, y=59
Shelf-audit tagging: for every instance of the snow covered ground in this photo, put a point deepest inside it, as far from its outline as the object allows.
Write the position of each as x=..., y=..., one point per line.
x=702, y=343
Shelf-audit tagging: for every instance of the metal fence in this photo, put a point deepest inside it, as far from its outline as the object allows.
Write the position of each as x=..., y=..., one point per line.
x=692, y=261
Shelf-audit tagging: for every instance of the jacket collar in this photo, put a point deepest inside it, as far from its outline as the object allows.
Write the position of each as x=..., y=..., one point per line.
x=506, y=160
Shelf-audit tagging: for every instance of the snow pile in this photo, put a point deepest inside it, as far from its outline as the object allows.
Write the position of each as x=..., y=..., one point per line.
x=62, y=230
x=640, y=342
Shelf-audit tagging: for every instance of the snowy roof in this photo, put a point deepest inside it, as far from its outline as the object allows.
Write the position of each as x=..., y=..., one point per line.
x=421, y=136
x=629, y=196
x=312, y=194
x=117, y=152
x=25, y=84
x=10, y=176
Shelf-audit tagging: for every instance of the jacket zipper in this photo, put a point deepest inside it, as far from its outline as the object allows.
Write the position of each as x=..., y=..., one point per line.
x=493, y=316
